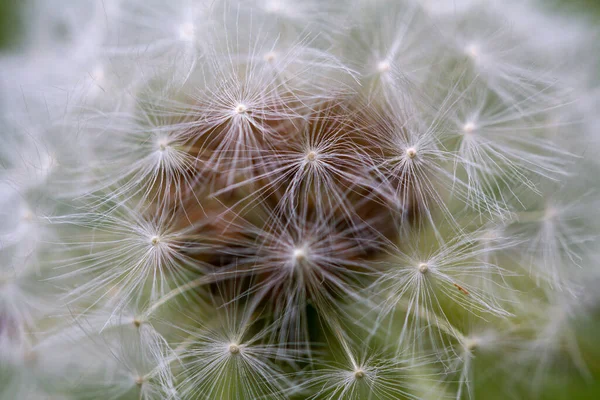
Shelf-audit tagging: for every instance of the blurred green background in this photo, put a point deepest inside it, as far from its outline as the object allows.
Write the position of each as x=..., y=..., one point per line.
x=10, y=22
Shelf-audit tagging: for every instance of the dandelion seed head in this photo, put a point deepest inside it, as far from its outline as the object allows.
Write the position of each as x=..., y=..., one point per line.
x=155, y=240
x=469, y=127
x=270, y=57
x=98, y=74
x=384, y=66
x=471, y=344
x=241, y=109
x=297, y=161
x=299, y=254
x=45, y=166
x=163, y=144
x=359, y=373
x=473, y=51
x=234, y=348
x=187, y=31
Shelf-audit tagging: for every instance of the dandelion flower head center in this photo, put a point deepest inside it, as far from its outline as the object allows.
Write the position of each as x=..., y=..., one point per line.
x=241, y=109
x=234, y=348
x=384, y=66
x=299, y=254
x=471, y=344
x=423, y=268
x=163, y=144
x=469, y=127
x=155, y=240
x=187, y=31
x=411, y=152
x=270, y=57
x=47, y=165
x=97, y=73
x=473, y=50
x=359, y=374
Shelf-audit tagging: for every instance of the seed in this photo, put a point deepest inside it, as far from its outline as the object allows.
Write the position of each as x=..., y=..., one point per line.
x=234, y=348
x=241, y=109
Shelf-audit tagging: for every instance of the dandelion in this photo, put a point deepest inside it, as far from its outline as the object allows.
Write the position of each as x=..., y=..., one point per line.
x=161, y=34
x=423, y=285
x=310, y=259
x=492, y=52
x=21, y=304
x=128, y=251
x=554, y=344
x=229, y=358
x=499, y=148
x=393, y=50
x=309, y=73
x=279, y=199
x=475, y=345
x=318, y=162
x=140, y=156
x=412, y=164
x=235, y=113
x=555, y=238
x=368, y=373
